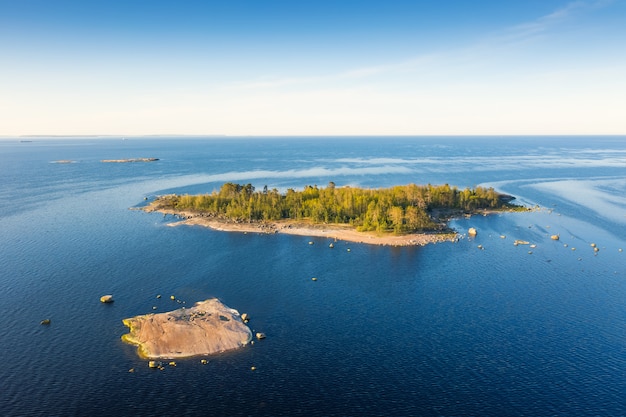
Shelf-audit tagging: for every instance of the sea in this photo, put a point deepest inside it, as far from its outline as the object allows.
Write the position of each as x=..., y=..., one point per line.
x=476, y=327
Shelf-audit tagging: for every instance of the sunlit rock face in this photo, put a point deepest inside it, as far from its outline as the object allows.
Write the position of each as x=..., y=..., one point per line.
x=208, y=327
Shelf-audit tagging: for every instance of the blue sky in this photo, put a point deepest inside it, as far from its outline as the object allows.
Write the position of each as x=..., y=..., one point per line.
x=313, y=68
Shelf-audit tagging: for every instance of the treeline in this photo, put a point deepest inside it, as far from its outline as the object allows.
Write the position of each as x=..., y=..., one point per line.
x=400, y=209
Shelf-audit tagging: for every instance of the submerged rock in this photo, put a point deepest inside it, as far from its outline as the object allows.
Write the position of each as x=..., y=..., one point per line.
x=206, y=328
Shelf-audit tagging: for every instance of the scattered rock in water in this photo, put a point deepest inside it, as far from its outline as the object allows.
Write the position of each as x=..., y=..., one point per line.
x=260, y=335
x=555, y=237
x=106, y=299
x=313, y=279
x=45, y=321
x=472, y=231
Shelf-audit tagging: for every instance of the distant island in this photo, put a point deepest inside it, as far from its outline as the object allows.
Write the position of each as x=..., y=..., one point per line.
x=130, y=160
x=401, y=215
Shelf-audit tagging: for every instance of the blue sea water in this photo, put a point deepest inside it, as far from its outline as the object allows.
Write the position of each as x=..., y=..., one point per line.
x=440, y=330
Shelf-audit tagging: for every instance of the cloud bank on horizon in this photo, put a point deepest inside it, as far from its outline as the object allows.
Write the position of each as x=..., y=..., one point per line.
x=245, y=67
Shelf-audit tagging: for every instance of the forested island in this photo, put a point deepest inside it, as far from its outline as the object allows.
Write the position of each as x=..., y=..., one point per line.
x=399, y=210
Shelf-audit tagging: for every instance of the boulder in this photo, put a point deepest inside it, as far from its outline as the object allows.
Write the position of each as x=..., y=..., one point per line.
x=106, y=299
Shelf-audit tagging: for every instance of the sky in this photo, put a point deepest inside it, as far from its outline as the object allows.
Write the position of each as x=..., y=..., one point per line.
x=262, y=68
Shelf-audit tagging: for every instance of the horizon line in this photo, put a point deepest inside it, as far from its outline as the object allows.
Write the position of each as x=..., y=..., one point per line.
x=305, y=135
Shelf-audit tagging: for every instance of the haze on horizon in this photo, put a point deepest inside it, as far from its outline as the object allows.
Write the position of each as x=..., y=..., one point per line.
x=245, y=67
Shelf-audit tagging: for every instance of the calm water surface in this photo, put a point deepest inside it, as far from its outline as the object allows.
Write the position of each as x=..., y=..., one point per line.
x=442, y=330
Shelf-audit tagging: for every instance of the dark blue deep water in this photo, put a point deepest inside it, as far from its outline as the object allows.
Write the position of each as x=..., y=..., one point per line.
x=441, y=330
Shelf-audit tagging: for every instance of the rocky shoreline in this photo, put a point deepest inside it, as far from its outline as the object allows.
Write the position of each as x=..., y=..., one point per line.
x=336, y=232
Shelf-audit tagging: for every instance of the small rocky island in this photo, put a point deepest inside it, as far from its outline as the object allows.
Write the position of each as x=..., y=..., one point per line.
x=208, y=327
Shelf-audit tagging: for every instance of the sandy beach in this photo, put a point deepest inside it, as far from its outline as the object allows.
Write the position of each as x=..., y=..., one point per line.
x=336, y=232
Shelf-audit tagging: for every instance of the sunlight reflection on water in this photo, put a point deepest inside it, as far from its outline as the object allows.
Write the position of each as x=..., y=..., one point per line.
x=606, y=197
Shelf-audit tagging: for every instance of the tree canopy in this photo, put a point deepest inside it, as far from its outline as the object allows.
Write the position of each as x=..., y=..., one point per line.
x=399, y=209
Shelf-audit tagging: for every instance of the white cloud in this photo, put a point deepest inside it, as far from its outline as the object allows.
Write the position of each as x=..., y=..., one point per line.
x=478, y=50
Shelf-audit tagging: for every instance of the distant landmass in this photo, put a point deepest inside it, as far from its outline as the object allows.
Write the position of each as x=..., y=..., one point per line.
x=130, y=160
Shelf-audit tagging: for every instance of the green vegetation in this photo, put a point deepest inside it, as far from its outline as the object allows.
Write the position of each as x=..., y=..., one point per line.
x=399, y=209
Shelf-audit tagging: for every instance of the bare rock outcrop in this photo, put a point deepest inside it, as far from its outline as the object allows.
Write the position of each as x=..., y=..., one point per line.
x=206, y=328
